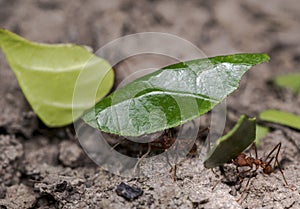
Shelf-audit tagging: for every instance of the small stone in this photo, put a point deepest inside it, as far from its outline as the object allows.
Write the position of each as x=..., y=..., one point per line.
x=128, y=192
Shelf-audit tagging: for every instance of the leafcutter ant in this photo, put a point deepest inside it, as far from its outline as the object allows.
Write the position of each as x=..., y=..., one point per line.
x=242, y=160
x=167, y=140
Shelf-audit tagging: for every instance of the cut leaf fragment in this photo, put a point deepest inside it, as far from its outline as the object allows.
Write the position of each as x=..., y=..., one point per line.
x=233, y=143
x=290, y=81
x=280, y=117
x=47, y=74
x=171, y=96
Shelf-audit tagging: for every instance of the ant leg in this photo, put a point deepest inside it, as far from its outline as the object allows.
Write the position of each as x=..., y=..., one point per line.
x=215, y=185
x=212, y=170
x=242, y=195
x=170, y=133
x=245, y=171
x=247, y=184
x=203, y=130
x=256, y=156
x=278, y=146
x=270, y=161
x=242, y=177
x=237, y=170
x=217, y=176
x=272, y=158
x=277, y=153
x=118, y=143
x=139, y=160
x=173, y=168
x=255, y=149
x=281, y=172
x=207, y=142
x=175, y=173
x=277, y=161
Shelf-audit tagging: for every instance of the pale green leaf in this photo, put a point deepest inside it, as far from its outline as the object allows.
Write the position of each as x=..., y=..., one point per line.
x=290, y=81
x=47, y=74
x=280, y=117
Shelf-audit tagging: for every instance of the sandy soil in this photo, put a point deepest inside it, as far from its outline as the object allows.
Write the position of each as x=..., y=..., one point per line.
x=46, y=168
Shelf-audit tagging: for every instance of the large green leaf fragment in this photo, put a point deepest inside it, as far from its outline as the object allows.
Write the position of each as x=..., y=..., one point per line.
x=280, y=117
x=171, y=96
x=47, y=75
x=233, y=143
x=290, y=81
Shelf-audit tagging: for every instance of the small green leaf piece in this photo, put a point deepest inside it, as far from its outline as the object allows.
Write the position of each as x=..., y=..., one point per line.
x=261, y=131
x=290, y=81
x=171, y=96
x=233, y=143
x=47, y=74
x=280, y=117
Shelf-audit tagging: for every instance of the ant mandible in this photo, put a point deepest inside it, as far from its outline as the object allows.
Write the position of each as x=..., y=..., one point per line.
x=242, y=160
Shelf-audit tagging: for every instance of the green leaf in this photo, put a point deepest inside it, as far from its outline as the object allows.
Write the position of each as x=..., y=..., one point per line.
x=233, y=143
x=290, y=81
x=47, y=75
x=280, y=117
x=171, y=96
x=261, y=131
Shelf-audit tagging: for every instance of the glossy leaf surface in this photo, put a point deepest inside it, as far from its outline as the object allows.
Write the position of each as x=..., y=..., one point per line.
x=47, y=74
x=280, y=117
x=233, y=143
x=171, y=96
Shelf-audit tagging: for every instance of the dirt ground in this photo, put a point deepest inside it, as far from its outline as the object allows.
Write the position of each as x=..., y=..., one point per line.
x=46, y=168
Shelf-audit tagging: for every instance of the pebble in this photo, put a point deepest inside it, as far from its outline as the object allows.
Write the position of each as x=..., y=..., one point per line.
x=128, y=192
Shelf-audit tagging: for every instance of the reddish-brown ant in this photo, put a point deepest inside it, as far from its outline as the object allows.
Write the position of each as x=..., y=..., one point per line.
x=242, y=160
x=167, y=141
